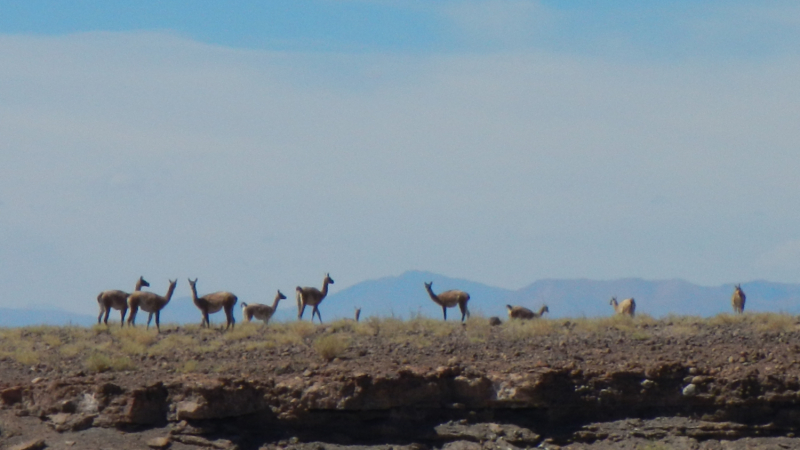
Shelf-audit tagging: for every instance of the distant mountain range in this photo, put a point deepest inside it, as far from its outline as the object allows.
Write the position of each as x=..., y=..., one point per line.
x=404, y=296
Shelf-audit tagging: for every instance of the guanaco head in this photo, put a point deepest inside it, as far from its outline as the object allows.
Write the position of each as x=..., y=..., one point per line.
x=193, y=285
x=509, y=307
x=328, y=278
x=280, y=295
x=143, y=282
x=428, y=285
x=545, y=309
x=244, y=305
x=613, y=301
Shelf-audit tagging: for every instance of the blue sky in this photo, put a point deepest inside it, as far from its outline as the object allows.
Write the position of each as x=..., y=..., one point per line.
x=624, y=28
x=259, y=146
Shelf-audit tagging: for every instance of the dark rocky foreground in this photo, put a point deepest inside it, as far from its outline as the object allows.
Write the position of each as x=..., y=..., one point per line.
x=640, y=384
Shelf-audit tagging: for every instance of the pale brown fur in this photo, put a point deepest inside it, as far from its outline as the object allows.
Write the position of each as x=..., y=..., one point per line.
x=449, y=299
x=115, y=299
x=212, y=303
x=521, y=312
x=737, y=300
x=311, y=296
x=626, y=307
x=149, y=302
x=259, y=311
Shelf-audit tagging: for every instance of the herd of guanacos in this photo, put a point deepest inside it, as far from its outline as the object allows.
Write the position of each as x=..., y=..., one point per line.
x=306, y=296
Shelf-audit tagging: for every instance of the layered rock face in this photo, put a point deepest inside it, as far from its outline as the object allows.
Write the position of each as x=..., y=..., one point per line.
x=449, y=403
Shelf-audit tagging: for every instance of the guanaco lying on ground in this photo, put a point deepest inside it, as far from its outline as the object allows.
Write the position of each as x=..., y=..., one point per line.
x=521, y=312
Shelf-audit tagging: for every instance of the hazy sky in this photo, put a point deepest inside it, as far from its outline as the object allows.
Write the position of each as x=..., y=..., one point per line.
x=257, y=145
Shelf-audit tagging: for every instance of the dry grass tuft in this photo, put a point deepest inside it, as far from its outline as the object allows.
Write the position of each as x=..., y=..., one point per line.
x=101, y=362
x=727, y=319
x=524, y=329
x=189, y=366
x=478, y=329
x=300, y=329
x=244, y=331
x=172, y=343
x=369, y=327
x=331, y=346
x=52, y=340
x=72, y=350
x=26, y=357
x=775, y=323
x=132, y=334
x=259, y=345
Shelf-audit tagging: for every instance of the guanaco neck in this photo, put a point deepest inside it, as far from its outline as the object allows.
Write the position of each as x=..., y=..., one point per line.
x=434, y=297
x=324, y=288
x=168, y=297
x=275, y=303
x=194, y=293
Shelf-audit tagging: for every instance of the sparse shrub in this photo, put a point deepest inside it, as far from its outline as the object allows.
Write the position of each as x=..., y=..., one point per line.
x=132, y=348
x=774, y=322
x=727, y=319
x=342, y=325
x=121, y=363
x=210, y=347
x=369, y=327
x=171, y=343
x=100, y=362
x=331, y=346
x=26, y=357
x=301, y=329
x=438, y=328
x=52, y=340
x=639, y=335
x=478, y=329
x=72, y=350
x=259, y=345
x=243, y=331
x=189, y=366
x=133, y=334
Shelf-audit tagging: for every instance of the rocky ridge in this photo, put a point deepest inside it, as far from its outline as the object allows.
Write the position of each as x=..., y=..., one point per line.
x=559, y=397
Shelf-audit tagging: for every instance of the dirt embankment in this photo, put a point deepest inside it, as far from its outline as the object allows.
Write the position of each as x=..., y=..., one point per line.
x=678, y=383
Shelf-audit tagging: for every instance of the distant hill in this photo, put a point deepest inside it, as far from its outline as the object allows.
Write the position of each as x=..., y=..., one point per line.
x=576, y=298
x=404, y=296
x=11, y=317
